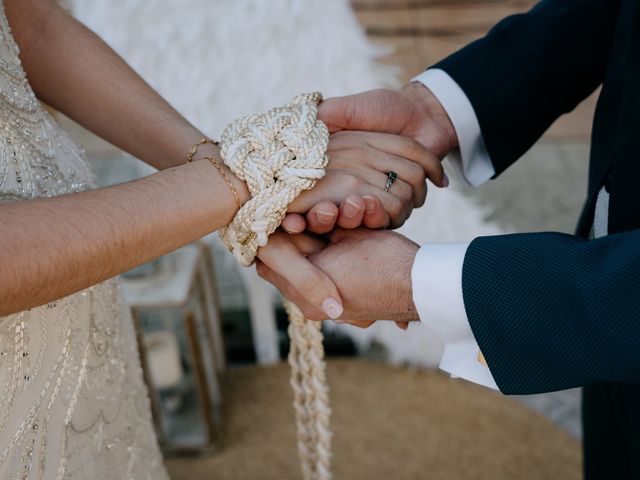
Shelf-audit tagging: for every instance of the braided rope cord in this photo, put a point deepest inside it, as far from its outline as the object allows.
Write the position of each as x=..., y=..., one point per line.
x=311, y=395
x=279, y=154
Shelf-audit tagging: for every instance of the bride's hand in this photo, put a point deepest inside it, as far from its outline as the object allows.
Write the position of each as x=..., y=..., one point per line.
x=284, y=261
x=356, y=178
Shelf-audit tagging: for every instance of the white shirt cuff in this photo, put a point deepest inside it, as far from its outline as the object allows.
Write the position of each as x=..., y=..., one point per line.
x=437, y=294
x=471, y=158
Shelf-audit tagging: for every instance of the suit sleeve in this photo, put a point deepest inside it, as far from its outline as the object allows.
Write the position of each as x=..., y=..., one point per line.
x=552, y=311
x=532, y=68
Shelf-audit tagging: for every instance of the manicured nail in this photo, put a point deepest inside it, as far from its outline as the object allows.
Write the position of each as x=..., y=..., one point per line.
x=369, y=203
x=445, y=181
x=326, y=217
x=351, y=208
x=332, y=307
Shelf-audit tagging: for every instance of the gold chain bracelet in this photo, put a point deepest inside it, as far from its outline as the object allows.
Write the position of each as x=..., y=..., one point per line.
x=214, y=161
x=196, y=146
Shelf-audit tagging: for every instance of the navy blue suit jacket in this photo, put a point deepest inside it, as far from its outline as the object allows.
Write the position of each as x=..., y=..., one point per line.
x=553, y=311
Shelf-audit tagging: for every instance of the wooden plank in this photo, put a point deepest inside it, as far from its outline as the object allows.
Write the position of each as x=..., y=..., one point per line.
x=440, y=21
x=422, y=32
x=414, y=4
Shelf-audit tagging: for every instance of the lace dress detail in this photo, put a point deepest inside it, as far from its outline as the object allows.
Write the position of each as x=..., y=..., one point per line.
x=73, y=404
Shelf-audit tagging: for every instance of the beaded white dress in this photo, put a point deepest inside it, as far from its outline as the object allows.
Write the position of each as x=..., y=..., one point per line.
x=73, y=404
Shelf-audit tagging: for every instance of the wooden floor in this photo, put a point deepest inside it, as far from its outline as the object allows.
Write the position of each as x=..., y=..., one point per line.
x=421, y=32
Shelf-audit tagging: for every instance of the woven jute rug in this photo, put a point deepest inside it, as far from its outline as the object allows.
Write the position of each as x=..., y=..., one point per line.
x=388, y=423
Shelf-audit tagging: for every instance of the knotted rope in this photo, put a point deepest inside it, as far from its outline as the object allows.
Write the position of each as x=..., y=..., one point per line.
x=279, y=154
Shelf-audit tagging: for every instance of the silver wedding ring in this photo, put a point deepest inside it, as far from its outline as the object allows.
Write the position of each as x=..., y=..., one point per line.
x=391, y=177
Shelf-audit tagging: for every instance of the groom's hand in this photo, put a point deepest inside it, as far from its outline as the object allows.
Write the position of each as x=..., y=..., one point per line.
x=413, y=112
x=370, y=269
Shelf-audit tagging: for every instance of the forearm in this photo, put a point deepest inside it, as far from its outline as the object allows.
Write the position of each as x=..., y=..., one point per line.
x=74, y=71
x=469, y=155
x=553, y=311
x=50, y=248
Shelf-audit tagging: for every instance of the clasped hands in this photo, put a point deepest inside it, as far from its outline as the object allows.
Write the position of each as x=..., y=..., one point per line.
x=333, y=256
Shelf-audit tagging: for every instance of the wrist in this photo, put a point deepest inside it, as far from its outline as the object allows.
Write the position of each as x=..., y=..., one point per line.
x=244, y=195
x=407, y=255
x=209, y=151
x=445, y=138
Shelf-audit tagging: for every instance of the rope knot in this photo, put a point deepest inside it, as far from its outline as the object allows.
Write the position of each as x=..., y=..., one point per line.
x=279, y=154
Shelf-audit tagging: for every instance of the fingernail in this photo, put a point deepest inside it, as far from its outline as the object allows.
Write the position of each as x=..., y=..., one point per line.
x=351, y=208
x=288, y=230
x=445, y=181
x=369, y=203
x=326, y=217
x=332, y=307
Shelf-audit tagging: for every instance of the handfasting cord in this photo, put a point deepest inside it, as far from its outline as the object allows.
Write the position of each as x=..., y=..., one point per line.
x=279, y=154
x=310, y=394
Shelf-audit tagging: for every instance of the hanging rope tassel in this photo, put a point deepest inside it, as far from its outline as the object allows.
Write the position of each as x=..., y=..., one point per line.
x=310, y=394
x=279, y=154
